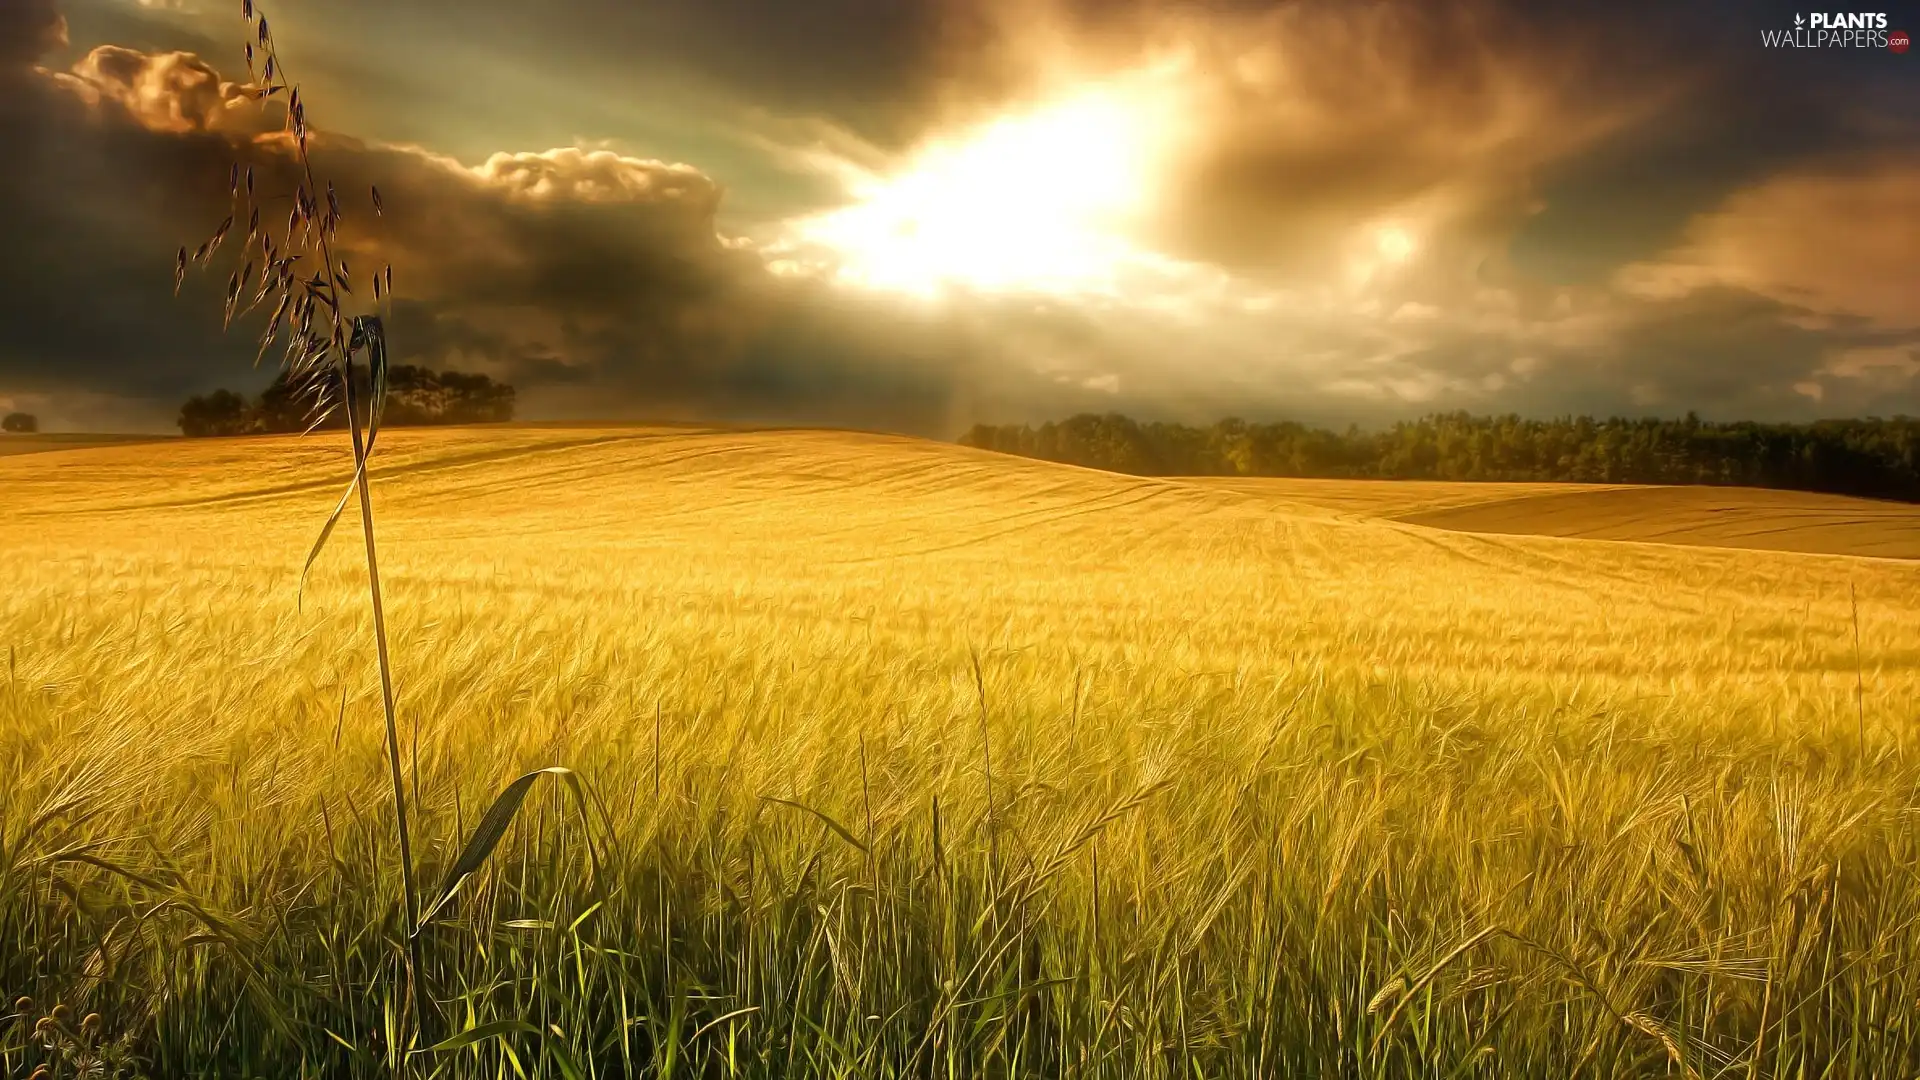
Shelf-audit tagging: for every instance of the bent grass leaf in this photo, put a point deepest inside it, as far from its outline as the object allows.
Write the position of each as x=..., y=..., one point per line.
x=493, y=827
x=326, y=532
x=480, y=1033
x=841, y=830
x=367, y=334
x=370, y=334
x=718, y=1020
x=569, y=1068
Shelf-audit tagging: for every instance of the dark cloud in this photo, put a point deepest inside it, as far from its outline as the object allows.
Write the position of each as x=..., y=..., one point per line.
x=29, y=29
x=596, y=282
x=1733, y=354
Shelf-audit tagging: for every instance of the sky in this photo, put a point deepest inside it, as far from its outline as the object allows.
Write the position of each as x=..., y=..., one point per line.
x=916, y=215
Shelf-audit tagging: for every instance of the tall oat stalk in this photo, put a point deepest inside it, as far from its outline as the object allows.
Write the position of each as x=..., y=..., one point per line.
x=321, y=346
x=321, y=343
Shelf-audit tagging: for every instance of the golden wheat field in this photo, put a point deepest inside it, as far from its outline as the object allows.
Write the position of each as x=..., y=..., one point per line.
x=905, y=759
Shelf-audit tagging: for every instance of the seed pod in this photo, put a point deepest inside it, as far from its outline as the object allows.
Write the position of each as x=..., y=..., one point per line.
x=90, y=1025
x=179, y=277
x=263, y=31
x=279, y=312
x=273, y=327
x=269, y=68
x=233, y=179
x=378, y=210
x=246, y=8
x=333, y=201
x=220, y=235
x=60, y=1014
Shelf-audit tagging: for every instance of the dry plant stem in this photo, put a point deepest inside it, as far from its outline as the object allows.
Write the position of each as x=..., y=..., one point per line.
x=393, y=732
x=417, y=975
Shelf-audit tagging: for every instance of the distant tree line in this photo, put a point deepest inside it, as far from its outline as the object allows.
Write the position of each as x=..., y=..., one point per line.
x=1872, y=457
x=415, y=396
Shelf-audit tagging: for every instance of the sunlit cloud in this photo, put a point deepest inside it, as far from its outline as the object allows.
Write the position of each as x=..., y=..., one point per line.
x=1840, y=241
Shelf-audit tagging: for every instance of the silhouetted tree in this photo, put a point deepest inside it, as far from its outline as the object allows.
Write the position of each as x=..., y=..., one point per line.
x=415, y=396
x=20, y=423
x=222, y=412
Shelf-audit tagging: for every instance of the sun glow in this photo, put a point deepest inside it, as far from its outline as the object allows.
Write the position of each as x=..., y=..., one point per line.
x=1396, y=244
x=1033, y=202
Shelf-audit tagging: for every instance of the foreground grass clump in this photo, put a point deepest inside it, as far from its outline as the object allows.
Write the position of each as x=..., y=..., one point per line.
x=909, y=760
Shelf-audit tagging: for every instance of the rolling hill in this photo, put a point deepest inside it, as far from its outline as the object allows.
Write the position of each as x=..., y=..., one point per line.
x=1759, y=519
x=1750, y=518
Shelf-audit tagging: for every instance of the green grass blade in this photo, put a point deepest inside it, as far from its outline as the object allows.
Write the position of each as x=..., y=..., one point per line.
x=480, y=1033
x=489, y=832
